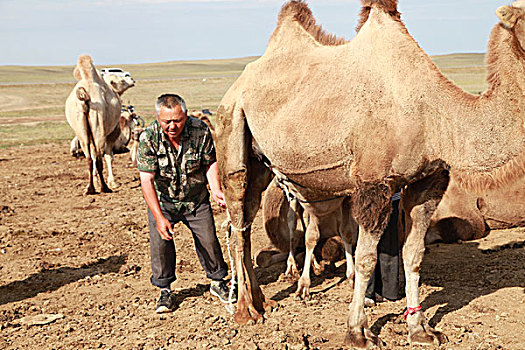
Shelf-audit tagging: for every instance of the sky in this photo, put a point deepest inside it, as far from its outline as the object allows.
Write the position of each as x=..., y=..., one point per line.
x=56, y=32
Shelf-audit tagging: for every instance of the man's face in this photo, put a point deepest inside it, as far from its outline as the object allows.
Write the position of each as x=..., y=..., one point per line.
x=172, y=121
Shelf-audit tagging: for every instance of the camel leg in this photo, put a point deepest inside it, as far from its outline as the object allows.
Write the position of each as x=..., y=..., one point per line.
x=103, y=186
x=133, y=152
x=420, y=200
x=90, y=189
x=317, y=269
x=294, y=214
x=311, y=238
x=244, y=177
x=371, y=207
x=359, y=335
x=413, y=251
x=350, y=268
x=89, y=151
x=291, y=266
x=251, y=302
x=109, y=162
x=348, y=229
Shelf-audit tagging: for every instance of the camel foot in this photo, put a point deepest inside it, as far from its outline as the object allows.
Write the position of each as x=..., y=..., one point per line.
x=288, y=278
x=292, y=273
x=247, y=316
x=362, y=338
x=269, y=305
x=114, y=185
x=426, y=335
x=303, y=290
x=317, y=269
x=90, y=190
x=106, y=189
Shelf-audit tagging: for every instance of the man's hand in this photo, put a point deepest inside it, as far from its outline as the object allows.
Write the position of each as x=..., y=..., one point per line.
x=164, y=228
x=147, y=181
x=212, y=173
x=218, y=197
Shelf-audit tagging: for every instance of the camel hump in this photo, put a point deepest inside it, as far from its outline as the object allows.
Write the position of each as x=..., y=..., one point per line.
x=389, y=6
x=299, y=11
x=84, y=68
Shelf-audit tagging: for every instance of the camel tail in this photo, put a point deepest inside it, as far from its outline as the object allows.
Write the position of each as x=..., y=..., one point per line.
x=84, y=98
x=389, y=6
x=84, y=68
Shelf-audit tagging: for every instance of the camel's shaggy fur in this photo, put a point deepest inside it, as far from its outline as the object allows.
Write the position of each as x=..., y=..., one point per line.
x=364, y=119
x=93, y=111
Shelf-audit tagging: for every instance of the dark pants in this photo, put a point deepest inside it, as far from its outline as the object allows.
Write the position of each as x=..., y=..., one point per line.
x=202, y=226
x=385, y=278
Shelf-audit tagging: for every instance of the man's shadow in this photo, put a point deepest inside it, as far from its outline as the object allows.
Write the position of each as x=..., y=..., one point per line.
x=51, y=279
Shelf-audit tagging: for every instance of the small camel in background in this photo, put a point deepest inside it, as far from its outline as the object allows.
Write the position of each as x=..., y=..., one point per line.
x=93, y=110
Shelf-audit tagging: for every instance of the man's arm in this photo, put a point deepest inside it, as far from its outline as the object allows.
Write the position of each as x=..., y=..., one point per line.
x=212, y=174
x=147, y=182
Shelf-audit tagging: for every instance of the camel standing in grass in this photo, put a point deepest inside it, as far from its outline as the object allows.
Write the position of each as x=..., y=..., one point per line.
x=93, y=111
x=364, y=119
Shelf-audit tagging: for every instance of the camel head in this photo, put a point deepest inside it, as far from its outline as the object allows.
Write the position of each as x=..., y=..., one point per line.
x=513, y=18
x=119, y=84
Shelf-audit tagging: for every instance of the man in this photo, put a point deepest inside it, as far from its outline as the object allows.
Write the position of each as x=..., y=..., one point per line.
x=384, y=282
x=176, y=158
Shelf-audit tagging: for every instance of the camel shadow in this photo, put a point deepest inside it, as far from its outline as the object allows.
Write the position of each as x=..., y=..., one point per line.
x=471, y=273
x=51, y=279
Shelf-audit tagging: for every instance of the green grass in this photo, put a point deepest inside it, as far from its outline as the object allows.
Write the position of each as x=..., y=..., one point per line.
x=31, y=112
x=466, y=70
x=42, y=91
x=24, y=134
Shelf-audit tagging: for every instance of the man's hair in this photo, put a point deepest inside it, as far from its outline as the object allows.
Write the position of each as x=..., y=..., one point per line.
x=170, y=101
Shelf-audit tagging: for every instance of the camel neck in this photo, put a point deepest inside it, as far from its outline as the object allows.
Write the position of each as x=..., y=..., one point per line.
x=486, y=135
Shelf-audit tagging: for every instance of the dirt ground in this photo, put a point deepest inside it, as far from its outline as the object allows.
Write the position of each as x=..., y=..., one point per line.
x=84, y=260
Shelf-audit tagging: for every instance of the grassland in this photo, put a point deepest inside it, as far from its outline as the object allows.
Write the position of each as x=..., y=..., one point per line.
x=32, y=98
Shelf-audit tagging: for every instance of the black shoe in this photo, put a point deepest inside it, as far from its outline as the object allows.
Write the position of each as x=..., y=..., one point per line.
x=166, y=302
x=222, y=291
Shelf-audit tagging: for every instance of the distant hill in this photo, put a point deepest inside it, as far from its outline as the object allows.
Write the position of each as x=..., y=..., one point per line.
x=464, y=69
x=162, y=70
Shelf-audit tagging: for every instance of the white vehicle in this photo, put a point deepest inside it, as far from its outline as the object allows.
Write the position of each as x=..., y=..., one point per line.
x=115, y=71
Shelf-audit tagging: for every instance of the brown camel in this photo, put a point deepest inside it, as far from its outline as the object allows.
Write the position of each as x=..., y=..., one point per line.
x=363, y=119
x=93, y=111
x=464, y=215
x=204, y=117
x=290, y=223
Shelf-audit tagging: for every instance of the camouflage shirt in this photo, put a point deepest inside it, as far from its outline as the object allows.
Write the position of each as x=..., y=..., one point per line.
x=180, y=175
